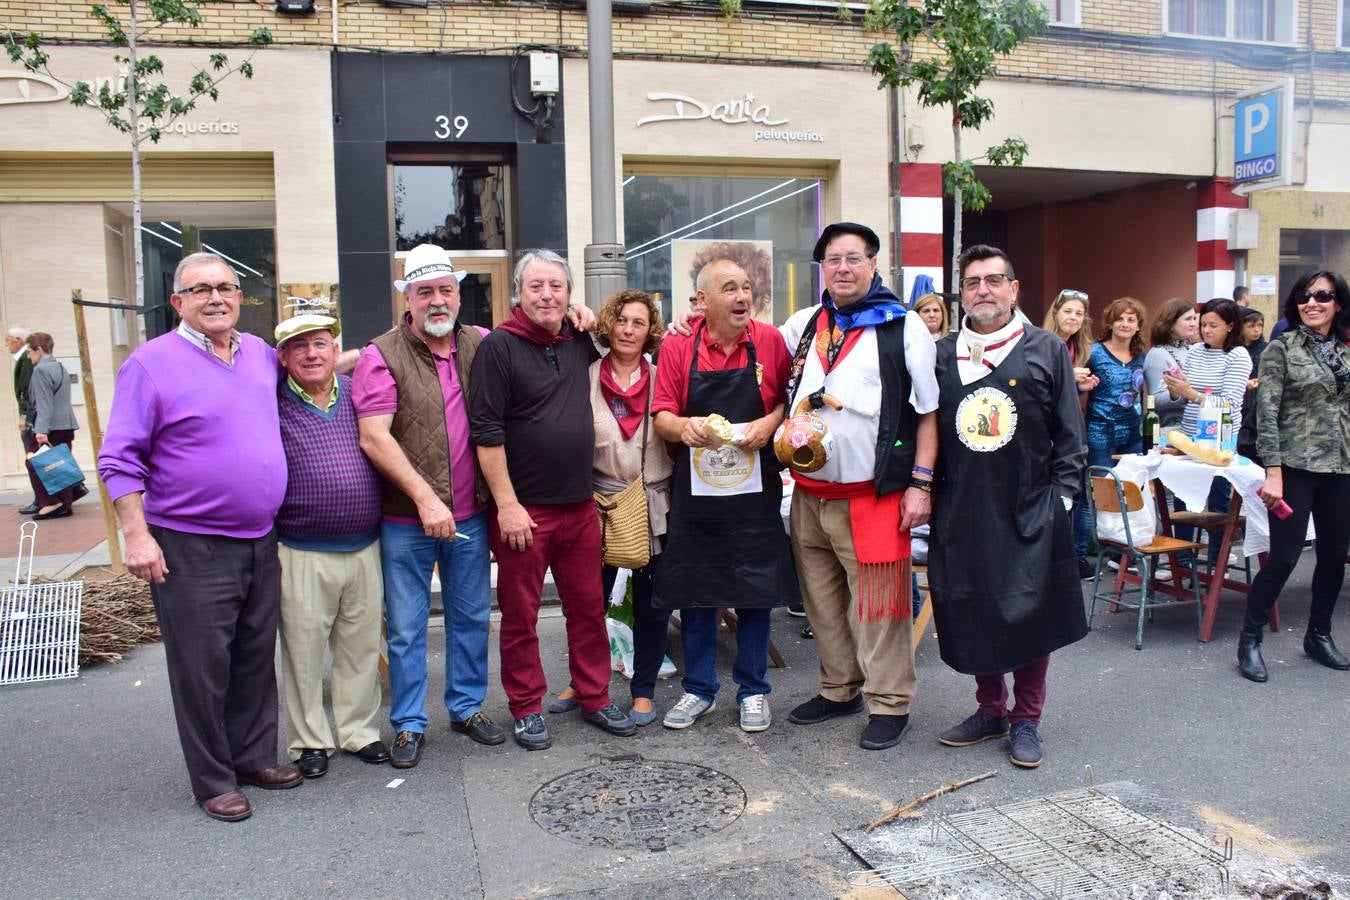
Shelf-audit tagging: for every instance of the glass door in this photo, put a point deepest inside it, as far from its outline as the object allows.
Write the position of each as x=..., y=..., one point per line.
x=485, y=293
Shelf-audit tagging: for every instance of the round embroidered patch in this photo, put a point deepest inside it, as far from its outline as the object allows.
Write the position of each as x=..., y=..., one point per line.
x=986, y=420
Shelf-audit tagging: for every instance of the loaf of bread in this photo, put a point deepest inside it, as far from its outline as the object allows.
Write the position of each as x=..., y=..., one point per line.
x=719, y=429
x=1184, y=443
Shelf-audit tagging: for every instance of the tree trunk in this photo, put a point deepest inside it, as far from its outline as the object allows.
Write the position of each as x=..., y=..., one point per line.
x=133, y=119
x=958, y=206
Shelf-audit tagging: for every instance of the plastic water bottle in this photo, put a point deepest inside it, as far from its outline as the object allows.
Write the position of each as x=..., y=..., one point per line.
x=1209, y=422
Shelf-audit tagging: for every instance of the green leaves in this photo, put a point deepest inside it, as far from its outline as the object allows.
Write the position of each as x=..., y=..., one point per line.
x=947, y=48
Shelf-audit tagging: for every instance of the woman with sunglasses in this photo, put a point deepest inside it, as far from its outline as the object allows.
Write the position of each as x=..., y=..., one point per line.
x=1067, y=319
x=1114, y=409
x=1303, y=437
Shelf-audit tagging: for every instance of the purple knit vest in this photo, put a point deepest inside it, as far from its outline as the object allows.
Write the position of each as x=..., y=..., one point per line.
x=332, y=488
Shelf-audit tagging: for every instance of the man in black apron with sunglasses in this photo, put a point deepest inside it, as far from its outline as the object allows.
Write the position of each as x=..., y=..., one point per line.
x=1011, y=448
x=725, y=543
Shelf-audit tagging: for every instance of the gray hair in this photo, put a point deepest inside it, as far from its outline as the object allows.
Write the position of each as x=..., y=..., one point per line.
x=540, y=256
x=196, y=259
x=18, y=332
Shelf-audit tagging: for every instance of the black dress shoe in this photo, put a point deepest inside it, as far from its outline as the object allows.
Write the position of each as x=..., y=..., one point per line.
x=312, y=763
x=1250, y=663
x=480, y=728
x=80, y=491
x=61, y=512
x=29, y=509
x=1322, y=649
x=375, y=753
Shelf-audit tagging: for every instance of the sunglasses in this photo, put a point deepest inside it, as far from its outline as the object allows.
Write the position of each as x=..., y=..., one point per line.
x=1073, y=295
x=1322, y=296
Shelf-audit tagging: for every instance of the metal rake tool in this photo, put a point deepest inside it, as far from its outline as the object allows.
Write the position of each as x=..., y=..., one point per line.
x=39, y=623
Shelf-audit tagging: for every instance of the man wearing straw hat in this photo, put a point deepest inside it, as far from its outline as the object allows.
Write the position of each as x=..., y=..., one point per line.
x=194, y=464
x=328, y=528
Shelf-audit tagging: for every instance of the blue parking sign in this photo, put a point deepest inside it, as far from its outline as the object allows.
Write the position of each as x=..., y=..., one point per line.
x=1256, y=136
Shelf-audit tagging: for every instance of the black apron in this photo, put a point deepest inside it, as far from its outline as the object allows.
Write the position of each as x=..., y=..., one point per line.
x=1006, y=589
x=725, y=551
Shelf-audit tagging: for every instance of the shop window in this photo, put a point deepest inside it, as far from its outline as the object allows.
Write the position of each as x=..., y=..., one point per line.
x=1062, y=12
x=672, y=222
x=1245, y=20
x=251, y=252
x=458, y=207
x=1344, y=18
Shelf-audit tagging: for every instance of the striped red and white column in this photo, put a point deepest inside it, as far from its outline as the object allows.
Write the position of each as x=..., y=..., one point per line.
x=1214, y=275
x=921, y=223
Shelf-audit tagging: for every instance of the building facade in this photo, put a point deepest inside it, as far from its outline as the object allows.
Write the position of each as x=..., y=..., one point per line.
x=371, y=127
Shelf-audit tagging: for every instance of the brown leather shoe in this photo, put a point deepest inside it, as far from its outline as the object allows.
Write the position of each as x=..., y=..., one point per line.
x=227, y=807
x=276, y=778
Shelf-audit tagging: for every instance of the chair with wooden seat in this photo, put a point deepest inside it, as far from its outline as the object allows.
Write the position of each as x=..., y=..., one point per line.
x=1111, y=496
x=1211, y=523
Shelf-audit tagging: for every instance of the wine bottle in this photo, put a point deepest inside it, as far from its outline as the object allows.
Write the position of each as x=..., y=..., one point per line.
x=1151, y=426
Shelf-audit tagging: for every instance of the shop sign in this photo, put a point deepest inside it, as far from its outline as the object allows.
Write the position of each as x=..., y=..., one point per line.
x=1261, y=135
x=299, y=298
x=30, y=87
x=747, y=110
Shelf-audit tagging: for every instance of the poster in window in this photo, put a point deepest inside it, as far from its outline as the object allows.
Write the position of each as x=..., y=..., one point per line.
x=298, y=298
x=687, y=257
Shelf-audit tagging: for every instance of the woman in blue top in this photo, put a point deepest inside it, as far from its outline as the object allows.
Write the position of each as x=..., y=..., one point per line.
x=1114, y=409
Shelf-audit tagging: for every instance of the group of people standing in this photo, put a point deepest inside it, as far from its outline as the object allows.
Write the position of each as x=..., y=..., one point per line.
x=1288, y=399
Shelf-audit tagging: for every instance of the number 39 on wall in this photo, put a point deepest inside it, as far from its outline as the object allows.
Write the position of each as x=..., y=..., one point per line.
x=460, y=124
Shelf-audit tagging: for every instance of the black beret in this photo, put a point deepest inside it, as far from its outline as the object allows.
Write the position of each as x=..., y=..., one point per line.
x=833, y=231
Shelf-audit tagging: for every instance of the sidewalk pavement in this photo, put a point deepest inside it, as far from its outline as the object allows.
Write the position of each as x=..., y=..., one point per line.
x=94, y=800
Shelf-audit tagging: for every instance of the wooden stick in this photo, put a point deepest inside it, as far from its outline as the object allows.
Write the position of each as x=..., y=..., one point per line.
x=96, y=433
x=919, y=801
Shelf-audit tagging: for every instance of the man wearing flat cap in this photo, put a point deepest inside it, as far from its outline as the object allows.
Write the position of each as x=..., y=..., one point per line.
x=328, y=530
x=866, y=370
x=410, y=389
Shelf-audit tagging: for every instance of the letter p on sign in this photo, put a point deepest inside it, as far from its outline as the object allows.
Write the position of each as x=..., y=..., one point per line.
x=1255, y=118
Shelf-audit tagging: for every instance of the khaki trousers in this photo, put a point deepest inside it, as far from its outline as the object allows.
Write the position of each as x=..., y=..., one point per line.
x=876, y=657
x=331, y=600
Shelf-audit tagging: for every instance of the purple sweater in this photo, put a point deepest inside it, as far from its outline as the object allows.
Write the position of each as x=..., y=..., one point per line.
x=333, y=492
x=200, y=438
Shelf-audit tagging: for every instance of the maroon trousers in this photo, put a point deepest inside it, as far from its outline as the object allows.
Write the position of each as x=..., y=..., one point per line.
x=991, y=692
x=566, y=540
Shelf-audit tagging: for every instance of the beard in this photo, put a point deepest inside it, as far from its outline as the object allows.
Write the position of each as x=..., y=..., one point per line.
x=438, y=329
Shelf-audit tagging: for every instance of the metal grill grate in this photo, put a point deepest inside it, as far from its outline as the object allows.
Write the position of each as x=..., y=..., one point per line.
x=1079, y=844
x=39, y=623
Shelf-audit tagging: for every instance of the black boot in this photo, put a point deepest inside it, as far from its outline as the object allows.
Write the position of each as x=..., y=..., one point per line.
x=1319, y=646
x=1250, y=663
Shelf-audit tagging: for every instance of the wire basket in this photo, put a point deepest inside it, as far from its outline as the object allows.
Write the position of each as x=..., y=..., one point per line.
x=39, y=623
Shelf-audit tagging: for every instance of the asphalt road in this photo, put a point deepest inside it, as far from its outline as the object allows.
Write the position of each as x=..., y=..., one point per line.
x=94, y=800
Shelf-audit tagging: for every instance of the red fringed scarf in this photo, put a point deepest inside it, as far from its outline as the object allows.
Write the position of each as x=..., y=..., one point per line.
x=627, y=404
x=882, y=549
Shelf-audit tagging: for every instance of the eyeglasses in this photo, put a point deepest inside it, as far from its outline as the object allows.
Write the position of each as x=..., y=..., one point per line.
x=227, y=291
x=992, y=281
x=319, y=345
x=1322, y=296
x=853, y=261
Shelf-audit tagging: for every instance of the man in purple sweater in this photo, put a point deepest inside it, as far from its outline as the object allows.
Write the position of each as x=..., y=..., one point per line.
x=194, y=464
x=329, y=529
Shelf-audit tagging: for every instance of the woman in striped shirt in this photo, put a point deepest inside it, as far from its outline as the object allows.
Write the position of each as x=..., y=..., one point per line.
x=1220, y=364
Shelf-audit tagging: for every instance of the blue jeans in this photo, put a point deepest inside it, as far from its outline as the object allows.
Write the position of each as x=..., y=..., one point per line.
x=1097, y=456
x=408, y=556
x=698, y=630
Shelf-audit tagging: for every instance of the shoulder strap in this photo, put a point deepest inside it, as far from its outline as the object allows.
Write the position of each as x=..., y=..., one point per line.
x=799, y=357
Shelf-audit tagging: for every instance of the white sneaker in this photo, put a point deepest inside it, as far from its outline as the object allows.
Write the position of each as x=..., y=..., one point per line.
x=755, y=715
x=688, y=710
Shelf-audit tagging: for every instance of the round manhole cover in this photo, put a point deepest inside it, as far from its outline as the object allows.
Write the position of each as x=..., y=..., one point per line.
x=638, y=804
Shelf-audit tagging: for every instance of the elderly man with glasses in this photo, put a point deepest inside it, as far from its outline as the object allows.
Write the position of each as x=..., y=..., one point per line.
x=194, y=464
x=866, y=369
x=1006, y=591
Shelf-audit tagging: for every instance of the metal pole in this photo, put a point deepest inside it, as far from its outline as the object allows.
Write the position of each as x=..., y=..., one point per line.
x=605, y=259
x=897, y=243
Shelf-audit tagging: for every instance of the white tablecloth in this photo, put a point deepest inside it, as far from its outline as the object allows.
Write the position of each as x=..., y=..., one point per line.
x=1190, y=480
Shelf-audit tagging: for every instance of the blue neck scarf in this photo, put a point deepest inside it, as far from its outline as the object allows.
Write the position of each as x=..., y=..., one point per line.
x=877, y=308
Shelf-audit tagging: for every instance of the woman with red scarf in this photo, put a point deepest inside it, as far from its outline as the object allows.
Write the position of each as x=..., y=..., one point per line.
x=626, y=446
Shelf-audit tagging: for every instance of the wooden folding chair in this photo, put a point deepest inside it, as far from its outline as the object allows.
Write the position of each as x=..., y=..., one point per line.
x=1112, y=496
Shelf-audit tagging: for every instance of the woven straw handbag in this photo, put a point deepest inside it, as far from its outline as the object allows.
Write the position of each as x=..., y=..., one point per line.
x=625, y=531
